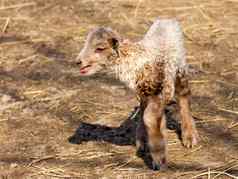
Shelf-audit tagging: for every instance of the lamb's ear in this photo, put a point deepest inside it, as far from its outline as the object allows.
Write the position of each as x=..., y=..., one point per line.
x=114, y=43
x=114, y=39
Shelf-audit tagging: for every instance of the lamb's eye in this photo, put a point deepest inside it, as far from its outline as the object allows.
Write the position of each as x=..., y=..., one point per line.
x=100, y=49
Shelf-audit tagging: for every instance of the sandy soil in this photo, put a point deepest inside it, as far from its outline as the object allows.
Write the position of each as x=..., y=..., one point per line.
x=44, y=101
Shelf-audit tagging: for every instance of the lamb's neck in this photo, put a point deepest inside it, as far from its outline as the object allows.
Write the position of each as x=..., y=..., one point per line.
x=132, y=57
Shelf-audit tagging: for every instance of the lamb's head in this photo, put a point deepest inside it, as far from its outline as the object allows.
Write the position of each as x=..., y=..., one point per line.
x=100, y=51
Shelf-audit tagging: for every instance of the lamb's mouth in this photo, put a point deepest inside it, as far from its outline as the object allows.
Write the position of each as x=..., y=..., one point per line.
x=85, y=69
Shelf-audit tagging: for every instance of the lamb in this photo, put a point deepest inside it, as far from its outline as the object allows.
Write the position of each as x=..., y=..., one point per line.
x=155, y=69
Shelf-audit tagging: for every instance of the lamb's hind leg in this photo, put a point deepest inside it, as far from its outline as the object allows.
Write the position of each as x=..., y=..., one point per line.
x=189, y=131
x=154, y=120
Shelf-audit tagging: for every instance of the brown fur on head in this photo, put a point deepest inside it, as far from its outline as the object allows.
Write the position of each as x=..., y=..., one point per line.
x=99, y=50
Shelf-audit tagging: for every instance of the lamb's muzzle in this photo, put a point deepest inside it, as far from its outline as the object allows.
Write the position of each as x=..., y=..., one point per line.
x=155, y=68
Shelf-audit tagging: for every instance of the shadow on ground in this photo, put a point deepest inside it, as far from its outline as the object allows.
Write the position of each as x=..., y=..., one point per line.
x=125, y=134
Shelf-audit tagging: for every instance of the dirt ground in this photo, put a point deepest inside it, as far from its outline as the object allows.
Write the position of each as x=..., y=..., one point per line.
x=44, y=101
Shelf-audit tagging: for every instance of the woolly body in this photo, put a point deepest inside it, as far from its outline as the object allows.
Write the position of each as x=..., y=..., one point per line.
x=151, y=65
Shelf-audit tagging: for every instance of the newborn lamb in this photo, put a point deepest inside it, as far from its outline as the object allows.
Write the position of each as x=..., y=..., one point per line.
x=155, y=69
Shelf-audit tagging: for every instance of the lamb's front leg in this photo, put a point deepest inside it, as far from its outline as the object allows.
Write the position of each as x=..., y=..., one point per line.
x=189, y=131
x=154, y=120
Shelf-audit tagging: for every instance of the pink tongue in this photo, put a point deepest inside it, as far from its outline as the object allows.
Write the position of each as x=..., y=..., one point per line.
x=84, y=69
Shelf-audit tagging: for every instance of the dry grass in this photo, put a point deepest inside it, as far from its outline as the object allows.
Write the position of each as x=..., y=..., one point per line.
x=43, y=99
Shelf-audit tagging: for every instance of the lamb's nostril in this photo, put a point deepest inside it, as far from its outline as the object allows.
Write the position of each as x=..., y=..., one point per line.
x=78, y=62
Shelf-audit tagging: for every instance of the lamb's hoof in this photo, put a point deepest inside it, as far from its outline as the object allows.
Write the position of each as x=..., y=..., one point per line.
x=161, y=167
x=190, y=138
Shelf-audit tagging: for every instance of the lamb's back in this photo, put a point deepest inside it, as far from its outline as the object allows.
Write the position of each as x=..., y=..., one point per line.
x=165, y=39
